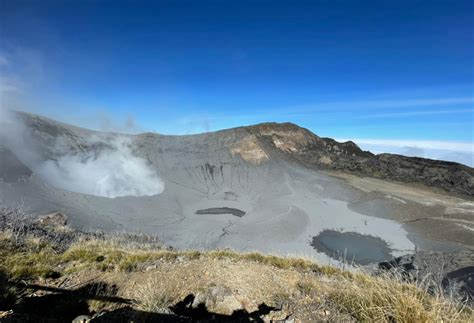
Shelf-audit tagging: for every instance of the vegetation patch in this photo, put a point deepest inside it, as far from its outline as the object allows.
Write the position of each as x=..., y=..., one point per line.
x=140, y=275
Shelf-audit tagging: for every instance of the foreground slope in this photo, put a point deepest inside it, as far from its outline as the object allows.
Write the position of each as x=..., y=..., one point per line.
x=49, y=272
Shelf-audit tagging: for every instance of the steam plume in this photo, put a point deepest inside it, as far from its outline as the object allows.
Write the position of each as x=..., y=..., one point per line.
x=107, y=167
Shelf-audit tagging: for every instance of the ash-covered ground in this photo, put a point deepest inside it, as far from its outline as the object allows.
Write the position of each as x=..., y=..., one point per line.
x=160, y=185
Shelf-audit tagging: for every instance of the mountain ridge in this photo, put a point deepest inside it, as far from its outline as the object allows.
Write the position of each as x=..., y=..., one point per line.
x=255, y=143
x=288, y=183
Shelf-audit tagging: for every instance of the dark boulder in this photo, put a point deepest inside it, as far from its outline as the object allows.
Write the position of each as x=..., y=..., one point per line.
x=404, y=264
x=463, y=279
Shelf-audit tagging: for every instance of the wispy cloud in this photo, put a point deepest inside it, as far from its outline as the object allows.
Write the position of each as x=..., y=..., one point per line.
x=361, y=109
x=3, y=61
x=330, y=114
x=432, y=144
x=400, y=114
x=461, y=152
x=403, y=103
x=396, y=103
x=8, y=84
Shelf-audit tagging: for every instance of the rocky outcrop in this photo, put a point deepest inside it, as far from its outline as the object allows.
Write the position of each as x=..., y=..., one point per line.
x=56, y=219
x=218, y=299
x=404, y=264
x=463, y=280
x=250, y=150
x=325, y=153
x=304, y=145
x=458, y=282
x=449, y=176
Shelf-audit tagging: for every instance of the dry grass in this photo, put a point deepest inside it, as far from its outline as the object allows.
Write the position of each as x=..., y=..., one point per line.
x=390, y=299
x=157, y=278
x=33, y=258
x=155, y=296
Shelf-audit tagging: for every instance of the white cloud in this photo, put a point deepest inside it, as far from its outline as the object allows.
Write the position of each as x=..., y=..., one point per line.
x=461, y=152
x=423, y=144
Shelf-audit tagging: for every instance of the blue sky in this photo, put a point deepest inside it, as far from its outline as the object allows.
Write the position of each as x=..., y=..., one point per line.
x=365, y=70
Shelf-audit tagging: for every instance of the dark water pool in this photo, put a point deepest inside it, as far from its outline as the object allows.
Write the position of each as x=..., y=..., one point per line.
x=351, y=246
x=222, y=210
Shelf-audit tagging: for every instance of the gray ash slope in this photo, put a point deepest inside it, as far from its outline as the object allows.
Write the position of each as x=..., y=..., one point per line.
x=284, y=141
x=269, y=171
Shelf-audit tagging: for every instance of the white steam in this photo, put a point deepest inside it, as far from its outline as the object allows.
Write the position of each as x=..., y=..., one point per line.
x=104, y=165
x=112, y=172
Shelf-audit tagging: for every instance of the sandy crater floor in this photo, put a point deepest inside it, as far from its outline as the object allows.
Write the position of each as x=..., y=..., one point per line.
x=285, y=207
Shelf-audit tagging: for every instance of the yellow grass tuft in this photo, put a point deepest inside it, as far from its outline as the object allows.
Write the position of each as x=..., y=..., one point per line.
x=156, y=278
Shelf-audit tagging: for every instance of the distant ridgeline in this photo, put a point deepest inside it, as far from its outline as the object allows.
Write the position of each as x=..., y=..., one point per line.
x=267, y=142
